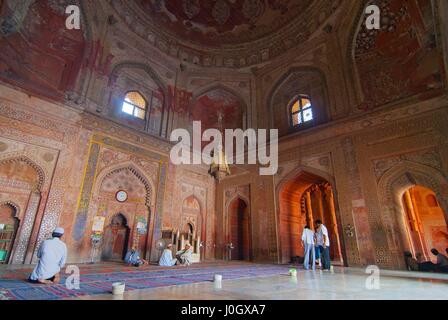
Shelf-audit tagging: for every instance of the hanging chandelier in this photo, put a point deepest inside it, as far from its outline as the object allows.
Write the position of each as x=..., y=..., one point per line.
x=219, y=167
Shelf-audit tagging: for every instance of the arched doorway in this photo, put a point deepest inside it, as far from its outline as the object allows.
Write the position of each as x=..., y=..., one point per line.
x=192, y=228
x=21, y=182
x=116, y=239
x=392, y=187
x=188, y=230
x=239, y=229
x=303, y=198
x=425, y=222
x=8, y=230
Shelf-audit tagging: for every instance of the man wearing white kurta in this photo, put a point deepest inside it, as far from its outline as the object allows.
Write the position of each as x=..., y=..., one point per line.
x=167, y=260
x=52, y=255
x=184, y=256
x=308, y=248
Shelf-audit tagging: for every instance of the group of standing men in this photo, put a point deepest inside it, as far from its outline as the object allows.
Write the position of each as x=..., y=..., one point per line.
x=316, y=246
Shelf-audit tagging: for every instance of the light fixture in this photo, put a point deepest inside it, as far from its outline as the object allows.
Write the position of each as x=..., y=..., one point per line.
x=219, y=168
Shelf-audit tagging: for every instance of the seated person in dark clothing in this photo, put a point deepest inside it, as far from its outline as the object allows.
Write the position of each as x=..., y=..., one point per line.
x=411, y=263
x=442, y=261
x=133, y=258
x=418, y=264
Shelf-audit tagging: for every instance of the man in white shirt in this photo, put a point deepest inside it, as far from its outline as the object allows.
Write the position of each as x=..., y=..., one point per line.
x=323, y=242
x=308, y=248
x=167, y=260
x=184, y=256
x=52, y=255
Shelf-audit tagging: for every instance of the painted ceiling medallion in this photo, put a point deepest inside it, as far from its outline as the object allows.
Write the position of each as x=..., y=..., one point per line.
x=225, y=33
x=221, y=11
x=191, y=8
x=253, y=8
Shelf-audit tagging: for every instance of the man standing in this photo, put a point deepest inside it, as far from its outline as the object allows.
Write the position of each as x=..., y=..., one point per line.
x=52, y=255
x=323, y=242
x=308, y=248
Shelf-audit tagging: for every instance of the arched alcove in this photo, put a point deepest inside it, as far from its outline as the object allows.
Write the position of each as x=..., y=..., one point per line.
x=306, y=81
x=116, y=238
x=193, y=226
x=128, y=76
x=239, y=229
x=303, y=196
x=392, y=187
x=136, y=206
x=211, y=102
x=22, y=181
x=9, y=225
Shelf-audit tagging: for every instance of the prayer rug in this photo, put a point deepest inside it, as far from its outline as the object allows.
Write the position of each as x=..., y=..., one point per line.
x=98, y=279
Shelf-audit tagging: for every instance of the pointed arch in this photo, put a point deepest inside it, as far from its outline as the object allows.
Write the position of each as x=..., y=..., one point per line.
x=221, y=87
x=136, y=171
x=142, y=66
x=294, y=82
x=292, y=211
x=39, y=171
x=14, y=205
x=391, y=187
x=238, y=223
x=217, y=86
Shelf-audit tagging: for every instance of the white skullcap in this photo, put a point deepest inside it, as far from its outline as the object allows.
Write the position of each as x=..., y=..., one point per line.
x=59, y=230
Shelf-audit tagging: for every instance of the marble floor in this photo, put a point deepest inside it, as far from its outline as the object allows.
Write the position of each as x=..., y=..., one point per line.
x=343, y=283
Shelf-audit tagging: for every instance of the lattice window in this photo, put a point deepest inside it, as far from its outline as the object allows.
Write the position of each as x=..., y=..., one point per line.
x=135, y=105
x=301, y=111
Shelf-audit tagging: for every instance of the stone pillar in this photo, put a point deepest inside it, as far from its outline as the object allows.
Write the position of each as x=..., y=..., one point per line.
x=417, y=226
x=316, y=203
x=332, y=223
x=26, y=228
x=157, y=229
x=309, y=210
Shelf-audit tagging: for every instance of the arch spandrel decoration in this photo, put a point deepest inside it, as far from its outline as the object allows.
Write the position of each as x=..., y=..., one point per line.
x=149, y=186
x=374, y=67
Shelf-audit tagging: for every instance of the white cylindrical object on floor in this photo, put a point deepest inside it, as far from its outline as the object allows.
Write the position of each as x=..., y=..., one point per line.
x=218, y=278
x=118, y=288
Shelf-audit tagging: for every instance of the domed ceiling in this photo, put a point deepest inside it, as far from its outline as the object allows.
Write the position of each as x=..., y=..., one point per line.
x=225, y=33
x=217, y=22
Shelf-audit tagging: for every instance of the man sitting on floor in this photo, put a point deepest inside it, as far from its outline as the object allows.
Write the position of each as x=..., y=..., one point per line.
x=442, y=261
x=166, y=260
x=52, y=255
x=133, y=258
x=427, y=266
x=184, y=256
